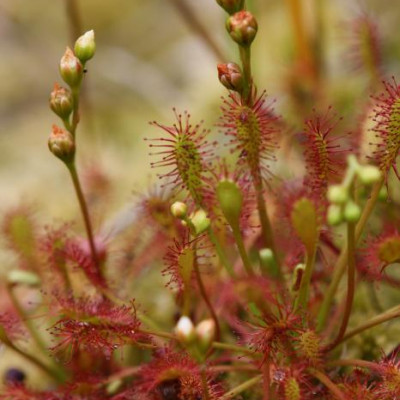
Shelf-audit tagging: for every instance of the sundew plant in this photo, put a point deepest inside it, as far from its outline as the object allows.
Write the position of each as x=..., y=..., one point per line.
x=275, y=234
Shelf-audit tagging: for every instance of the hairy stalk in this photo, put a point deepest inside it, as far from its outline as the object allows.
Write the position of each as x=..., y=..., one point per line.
x=328, y=383
x=85, y=213
x=204, y=294
x=377, y=320
x=301, y=301
x=191, y=19
x=351, y=275
x=241, y=388
x=341, y=262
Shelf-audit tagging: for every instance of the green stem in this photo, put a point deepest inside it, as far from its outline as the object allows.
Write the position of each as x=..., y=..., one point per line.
x=242, y=250
x=328, y=383
x=85, y=213
x=221, y=253
x=351, y=276
x=341, y=263
x=75, y=111
x=241, y=388
x=245, y=57
x=301, y=301
x=377, y=320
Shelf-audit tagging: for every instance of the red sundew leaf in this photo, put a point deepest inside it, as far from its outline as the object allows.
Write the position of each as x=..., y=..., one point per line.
x=94, y=326
x=186, y=151
x=173, y=372
x=324, y=156
x=386, y=115
x=253, y=131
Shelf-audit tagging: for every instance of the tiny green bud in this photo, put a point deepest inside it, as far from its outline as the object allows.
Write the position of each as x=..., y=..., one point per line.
x=383, y=193
x=268, y=262
x=231, y=6
x=179, y=210
x=20, y=277
x=334, y=215
x=185, y=330
x=71, y=69
x=85, y=46
x=338, y=194
x=242, y=27
x=230, y=200
x=205, y=332
x=61, y=101
x=352, y=212
x=230, y=75
x=61, y=144
x=199, y=221
x=369, y=174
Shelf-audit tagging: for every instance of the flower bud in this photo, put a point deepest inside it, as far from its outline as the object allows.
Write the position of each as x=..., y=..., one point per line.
x=61, y=144
x=85, y=47
x=231, y=6
x=230, y=200
x=230, y=75
x=200, y=222
x=71, y=69
x=334, y=215
x=242, y=27
x=338, y=194
x=205, y=331
x=369, y=174
x=61, y=101
x=352, y=212
x=185, y=330
x=179, y=210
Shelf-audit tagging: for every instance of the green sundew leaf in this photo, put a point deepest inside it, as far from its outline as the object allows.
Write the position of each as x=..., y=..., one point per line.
x=305, y=222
